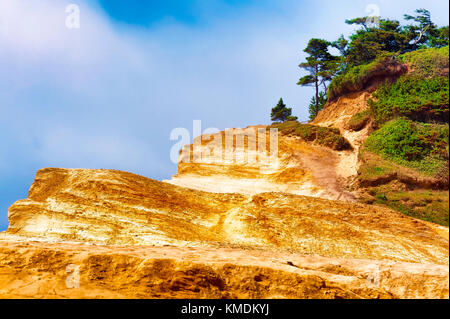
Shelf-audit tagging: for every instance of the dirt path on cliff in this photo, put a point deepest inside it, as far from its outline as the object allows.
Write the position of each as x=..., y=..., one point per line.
x=337, y=114
x=336, y=171
x=325, y=167
x=325, y=172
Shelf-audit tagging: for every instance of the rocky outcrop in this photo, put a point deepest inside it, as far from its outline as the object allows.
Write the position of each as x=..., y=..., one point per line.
x=119, y=208
x=249, y=163
x=135, y=237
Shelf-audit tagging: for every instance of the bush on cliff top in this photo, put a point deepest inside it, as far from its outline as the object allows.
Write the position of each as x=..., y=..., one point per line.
x=412, y=96
x=356, y=78
x=420, y=146
x=422, y=94
x=424, y=63
x=329, y=137
x=427, y=62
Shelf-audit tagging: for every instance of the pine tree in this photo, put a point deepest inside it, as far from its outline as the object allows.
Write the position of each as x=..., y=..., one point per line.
x=315, y=108
x=281, y=113
x=321, y=65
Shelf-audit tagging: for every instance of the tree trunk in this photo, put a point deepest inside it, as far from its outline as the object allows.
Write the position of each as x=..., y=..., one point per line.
x=317, y=95
x=325, y=87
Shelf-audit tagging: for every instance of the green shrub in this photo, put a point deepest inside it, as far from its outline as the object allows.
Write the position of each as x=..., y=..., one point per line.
x=412, y=96
x=427, y=62
x=429, y=205
x=374, y=167
x=381, y=197
x=356, y=78
x=423, y=64
x=359, y=120
x=325, y=136
x=417, y=145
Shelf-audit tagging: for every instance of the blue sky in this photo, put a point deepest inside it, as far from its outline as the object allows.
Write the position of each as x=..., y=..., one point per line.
x=107, y=95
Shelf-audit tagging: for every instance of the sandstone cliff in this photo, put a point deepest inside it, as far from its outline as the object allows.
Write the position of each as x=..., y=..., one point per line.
x=298, y=167
x=169, y=241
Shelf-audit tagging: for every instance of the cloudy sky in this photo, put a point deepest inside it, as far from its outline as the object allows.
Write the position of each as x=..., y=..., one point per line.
x=108, y=94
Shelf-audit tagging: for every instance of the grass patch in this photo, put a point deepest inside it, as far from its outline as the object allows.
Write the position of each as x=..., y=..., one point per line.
x=329, y=137
x=374, y=167
x=428, y=205
x=421, y=94
x=359, y=120
x=423, y=147
x=376, y=170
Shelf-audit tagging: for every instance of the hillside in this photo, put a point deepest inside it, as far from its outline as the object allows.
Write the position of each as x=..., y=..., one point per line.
x=347, y=206
x=325, y=176
x=399, y=125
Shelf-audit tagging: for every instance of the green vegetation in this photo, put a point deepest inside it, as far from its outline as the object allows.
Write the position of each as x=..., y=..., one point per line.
x=359, y=120
x=404, y=164
x=427, y=63
x=381, y=179
x=316, y=106
x=424, y=33
x=412, y=96
x=371, y=53
x=375, y=167
x=370, y=42
x=356, y=78
x=282, y=113
x=422, y=94
x=329, y=137
x=389, y=36
x=423, y=147
x=321, y=66
x=429, y=205
x=404, y=161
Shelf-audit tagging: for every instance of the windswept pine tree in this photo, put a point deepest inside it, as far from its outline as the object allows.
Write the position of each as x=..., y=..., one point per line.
x=322, y=66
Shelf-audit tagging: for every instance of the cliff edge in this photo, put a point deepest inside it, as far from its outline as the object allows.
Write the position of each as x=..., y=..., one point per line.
x=112, y=223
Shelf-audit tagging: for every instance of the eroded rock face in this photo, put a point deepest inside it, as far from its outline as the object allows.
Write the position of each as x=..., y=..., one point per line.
x=242, y=166
x=268, y=245
x=113, y=207
x=40, y=271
